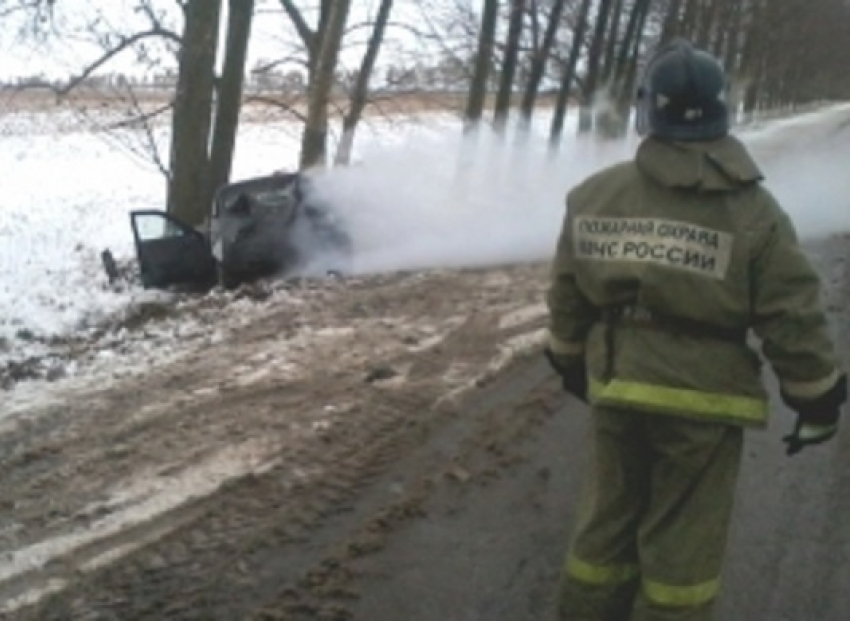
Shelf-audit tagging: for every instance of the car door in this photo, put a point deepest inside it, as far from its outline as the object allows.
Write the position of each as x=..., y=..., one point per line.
x=171, y=252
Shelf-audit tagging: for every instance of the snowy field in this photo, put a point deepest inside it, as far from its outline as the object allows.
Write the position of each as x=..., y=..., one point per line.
x=417, y=197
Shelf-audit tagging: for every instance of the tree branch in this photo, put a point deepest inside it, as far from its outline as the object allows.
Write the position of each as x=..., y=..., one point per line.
x=276, y=103
x=110, y=54
x=304, y=31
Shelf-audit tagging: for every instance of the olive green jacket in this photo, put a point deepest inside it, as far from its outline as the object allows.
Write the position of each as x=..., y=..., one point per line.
x=686, y=231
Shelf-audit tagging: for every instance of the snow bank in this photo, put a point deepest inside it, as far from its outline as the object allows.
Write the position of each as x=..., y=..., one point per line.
x=417, y=196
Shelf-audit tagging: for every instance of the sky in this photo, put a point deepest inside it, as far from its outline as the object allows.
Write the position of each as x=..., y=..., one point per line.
x=273, y=38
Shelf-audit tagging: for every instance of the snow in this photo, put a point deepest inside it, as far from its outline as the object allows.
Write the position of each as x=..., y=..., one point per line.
x=523, y=315
x=418, y=196
x=172, y=479
x=136, y=502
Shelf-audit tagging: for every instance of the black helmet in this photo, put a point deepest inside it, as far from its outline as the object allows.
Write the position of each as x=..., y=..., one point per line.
x=682, y=95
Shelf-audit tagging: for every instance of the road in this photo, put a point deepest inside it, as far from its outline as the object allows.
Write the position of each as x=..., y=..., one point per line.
x=406, y=505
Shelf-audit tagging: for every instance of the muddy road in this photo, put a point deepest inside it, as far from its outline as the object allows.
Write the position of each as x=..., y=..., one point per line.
x=405, y=456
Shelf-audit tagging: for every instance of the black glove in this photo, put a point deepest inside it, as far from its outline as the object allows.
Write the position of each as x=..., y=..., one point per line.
x=808, y=435
x=573, y=372
x=817, y=420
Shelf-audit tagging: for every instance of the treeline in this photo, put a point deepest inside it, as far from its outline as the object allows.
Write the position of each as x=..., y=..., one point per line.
x=501, y=56
x=779, y=54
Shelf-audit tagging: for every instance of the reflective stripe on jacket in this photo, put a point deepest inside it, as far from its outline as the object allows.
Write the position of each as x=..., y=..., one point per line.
x=657, y=592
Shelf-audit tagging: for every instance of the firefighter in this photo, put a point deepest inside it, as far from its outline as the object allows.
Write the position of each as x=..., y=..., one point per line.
x=663, y=266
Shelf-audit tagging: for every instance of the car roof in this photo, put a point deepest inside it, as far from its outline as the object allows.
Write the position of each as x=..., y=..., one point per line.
x=277, y=181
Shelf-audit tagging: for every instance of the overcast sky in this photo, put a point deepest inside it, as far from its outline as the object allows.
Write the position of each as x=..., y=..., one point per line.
x=272, y=38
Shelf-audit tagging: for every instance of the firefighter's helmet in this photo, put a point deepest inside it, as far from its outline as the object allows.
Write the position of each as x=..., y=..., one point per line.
x=682, y=95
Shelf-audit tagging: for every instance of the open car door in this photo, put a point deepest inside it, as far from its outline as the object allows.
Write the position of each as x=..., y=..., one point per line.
x=171, y=252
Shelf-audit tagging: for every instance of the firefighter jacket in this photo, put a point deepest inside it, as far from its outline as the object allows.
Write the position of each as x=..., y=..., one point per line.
x=665, y=265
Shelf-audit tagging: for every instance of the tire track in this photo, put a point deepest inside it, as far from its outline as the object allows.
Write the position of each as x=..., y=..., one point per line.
x=220, y=556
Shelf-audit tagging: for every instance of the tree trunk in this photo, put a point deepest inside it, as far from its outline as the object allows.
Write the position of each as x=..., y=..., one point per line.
x=192, y=113
x=731, y=34
x=606, y=114
x=568, y=77
x=314, y=138
x=229, y=103
x=671, y=27
x=622, y=89
x=733, y=27
x=634, y=31
x=722, y=32
x=710, y=14
x=509, y=65
x=751, y=59
x=538, y=63
x=688, y=26
x=611, y=48
x=483, y=59
x=593, y=66
x=627, y=89
x=361, y=88
x=308, y=37
x=325, y=12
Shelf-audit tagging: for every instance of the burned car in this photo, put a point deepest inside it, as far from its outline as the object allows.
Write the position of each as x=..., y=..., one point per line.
x=265, y=226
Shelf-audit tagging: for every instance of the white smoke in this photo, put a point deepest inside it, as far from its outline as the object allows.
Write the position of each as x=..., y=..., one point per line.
x=805, y=164
x=437, y=200
x=442, y=201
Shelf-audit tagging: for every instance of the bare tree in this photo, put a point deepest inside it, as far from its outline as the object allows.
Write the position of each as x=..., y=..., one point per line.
x=189, y=164
x=359, y=95
x=539, y=60
x=323, y=44
x=630, y=46
x=204, y=111
x=229, y=101
x=509, y=64
x=569, y=75
x=594, y=65
x=38, y=14
x=752, y=63
x=690, y=19
x=611, y=44
x=314, y=137
x=626, y=72
x=672, y=17
x=778, y=53
x=483, y=62
x=706, y=16
x=132, y=127
x=115, y=44
x=311, y=38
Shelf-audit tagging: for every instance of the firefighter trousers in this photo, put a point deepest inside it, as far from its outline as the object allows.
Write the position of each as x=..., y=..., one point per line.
x=653, y=521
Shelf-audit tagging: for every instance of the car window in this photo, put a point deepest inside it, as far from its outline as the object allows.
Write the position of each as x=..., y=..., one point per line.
x=277, y=197
x=155, y=226
x=272, y=198
x=278, y=192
